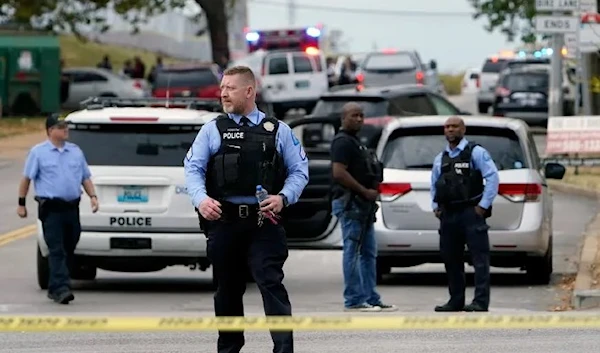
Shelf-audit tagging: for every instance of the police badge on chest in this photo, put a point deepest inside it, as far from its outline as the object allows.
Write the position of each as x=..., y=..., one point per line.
x=233, y=134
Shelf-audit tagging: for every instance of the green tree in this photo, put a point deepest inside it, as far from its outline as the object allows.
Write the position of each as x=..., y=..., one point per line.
x=70, y=15
x=511, y=17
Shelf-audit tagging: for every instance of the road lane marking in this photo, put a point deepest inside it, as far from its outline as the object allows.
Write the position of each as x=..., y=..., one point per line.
x=17, y=234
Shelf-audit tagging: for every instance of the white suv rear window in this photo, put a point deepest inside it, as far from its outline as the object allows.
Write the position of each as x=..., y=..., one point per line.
x=138, y=145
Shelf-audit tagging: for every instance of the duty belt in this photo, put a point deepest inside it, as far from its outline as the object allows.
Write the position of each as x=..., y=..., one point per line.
x=232, y=211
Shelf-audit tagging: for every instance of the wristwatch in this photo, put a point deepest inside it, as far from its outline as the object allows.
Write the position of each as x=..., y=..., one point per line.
x=285, y=200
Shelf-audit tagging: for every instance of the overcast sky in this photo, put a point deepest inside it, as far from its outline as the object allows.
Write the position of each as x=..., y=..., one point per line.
x=455, y=41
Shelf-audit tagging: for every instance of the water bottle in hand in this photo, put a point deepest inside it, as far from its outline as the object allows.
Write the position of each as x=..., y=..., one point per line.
x=261, y=195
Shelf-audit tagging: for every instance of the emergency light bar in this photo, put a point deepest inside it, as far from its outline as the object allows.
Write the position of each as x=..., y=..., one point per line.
x=95, y=103
x=298, y=39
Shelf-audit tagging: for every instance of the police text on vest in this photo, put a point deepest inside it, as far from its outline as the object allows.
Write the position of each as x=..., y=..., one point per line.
x=233, y=135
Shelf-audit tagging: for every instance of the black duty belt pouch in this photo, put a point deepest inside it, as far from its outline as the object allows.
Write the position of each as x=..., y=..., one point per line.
x=46, y=205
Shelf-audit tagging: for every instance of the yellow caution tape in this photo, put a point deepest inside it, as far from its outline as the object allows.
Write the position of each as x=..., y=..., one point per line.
x=341, y=323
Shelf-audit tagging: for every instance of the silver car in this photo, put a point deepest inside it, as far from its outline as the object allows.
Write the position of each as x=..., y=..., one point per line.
x=521, y=222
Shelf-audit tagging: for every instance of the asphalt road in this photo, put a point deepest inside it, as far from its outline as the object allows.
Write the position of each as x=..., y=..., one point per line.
x=315, y=284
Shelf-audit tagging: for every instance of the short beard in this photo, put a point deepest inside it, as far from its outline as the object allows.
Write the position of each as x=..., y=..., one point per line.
x=234, y=110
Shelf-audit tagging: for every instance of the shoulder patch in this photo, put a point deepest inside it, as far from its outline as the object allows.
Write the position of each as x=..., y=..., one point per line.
x=189, y=154
x=486, y=156
x=294, y=138
x=302, y=153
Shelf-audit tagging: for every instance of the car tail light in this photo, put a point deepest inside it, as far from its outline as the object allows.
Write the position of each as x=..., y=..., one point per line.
x=210, y=92
x=521, y=192
x=420, y=77
x=137, y=84
x=390, y=191
x=502, y=92
x=160, y=93
x=378, y=121
x=478, y=82
x=360, y=78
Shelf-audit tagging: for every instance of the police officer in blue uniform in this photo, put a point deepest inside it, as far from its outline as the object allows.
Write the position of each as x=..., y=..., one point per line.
x=231, y=156
x=58, y=169
x=462, y=203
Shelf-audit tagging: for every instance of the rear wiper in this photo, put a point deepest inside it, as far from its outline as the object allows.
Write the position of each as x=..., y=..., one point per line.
x=419, y=166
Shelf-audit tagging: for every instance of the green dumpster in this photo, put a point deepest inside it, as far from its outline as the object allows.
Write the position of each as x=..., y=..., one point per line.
x=29, y=73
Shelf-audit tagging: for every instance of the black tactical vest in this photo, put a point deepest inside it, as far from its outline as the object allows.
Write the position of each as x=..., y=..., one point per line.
x=459, y=184
x=247, y=157
x=368, y=170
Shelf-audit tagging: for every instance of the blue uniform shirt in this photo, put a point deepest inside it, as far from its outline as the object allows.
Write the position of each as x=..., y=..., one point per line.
x=208, y=142
x=480, y=160
x=57, y=173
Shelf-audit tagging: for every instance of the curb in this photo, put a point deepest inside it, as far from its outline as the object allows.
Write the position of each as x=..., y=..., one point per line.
x=583, y=296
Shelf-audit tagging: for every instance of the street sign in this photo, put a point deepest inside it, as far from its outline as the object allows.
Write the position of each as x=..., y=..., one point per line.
x=588, y=6
x=556, y=24
x=556, y=5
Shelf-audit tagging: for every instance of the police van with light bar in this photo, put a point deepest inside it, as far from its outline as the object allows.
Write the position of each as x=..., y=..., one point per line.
x=289, y=66
x=135, y=150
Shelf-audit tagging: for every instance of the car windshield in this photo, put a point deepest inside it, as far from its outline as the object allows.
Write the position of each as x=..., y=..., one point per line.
x=186, y=78
x=526, y=82
x=373, y=107
x=416, y=148
x=137, y=145
x=494, y=66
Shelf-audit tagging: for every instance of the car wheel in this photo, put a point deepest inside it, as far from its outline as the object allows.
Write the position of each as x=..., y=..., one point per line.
x=483, y=108
x=382, y=270
x=43, y=269
x=539, y=269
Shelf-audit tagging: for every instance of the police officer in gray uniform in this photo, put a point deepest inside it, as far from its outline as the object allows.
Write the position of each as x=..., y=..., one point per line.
x=229, y=158
x=58, y=169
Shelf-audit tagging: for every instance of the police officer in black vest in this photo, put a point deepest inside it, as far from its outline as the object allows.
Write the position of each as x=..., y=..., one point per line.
x=462, y=203
x=231, y=156
x=357, y=174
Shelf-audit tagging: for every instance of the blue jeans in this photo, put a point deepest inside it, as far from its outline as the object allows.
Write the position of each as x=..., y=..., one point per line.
x=359, y=258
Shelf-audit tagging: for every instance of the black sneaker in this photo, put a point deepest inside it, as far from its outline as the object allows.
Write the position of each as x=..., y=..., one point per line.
x=387, y=307
x=363, y=307
x=448, y=308
x=62, y=297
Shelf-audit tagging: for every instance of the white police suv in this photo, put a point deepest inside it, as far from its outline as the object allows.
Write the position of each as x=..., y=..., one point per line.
x=135, y=150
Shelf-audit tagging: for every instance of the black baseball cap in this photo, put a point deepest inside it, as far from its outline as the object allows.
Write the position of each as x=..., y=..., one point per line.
x=54, y=120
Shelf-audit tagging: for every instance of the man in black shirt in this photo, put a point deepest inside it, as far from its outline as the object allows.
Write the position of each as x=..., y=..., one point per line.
x=356, y=175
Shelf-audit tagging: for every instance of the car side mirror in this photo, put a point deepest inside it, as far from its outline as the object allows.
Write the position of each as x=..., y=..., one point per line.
x=433, y=64
x=554, y=171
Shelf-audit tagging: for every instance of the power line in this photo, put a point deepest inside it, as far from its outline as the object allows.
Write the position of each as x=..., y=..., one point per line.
x=367, y=11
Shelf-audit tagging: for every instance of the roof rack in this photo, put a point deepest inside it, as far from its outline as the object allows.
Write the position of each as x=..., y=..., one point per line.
x=95, y=103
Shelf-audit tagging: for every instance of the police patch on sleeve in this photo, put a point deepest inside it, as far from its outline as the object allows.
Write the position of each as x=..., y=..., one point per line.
x=189, y=154
x=486, y=156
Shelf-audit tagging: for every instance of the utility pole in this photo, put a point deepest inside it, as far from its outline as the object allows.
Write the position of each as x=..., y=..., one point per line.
x=291, y=12
x=561, y=21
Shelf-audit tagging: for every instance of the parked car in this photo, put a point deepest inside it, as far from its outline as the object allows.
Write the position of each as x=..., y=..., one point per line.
x=380, y=104
x=86, y=82
x=188, y=80
x=521, y=233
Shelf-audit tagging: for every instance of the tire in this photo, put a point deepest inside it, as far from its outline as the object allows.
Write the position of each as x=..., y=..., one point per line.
x=382, y=270
x=43, y=270
x=483, y=108
x=539, y=269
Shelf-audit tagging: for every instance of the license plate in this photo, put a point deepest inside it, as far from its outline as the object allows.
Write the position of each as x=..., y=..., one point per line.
x=133, y=194
x=131, y=243
x=528, y=101
x=302, y=84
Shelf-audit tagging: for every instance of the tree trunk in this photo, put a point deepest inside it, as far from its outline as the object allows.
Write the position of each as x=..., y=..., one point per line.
x=216, y=17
